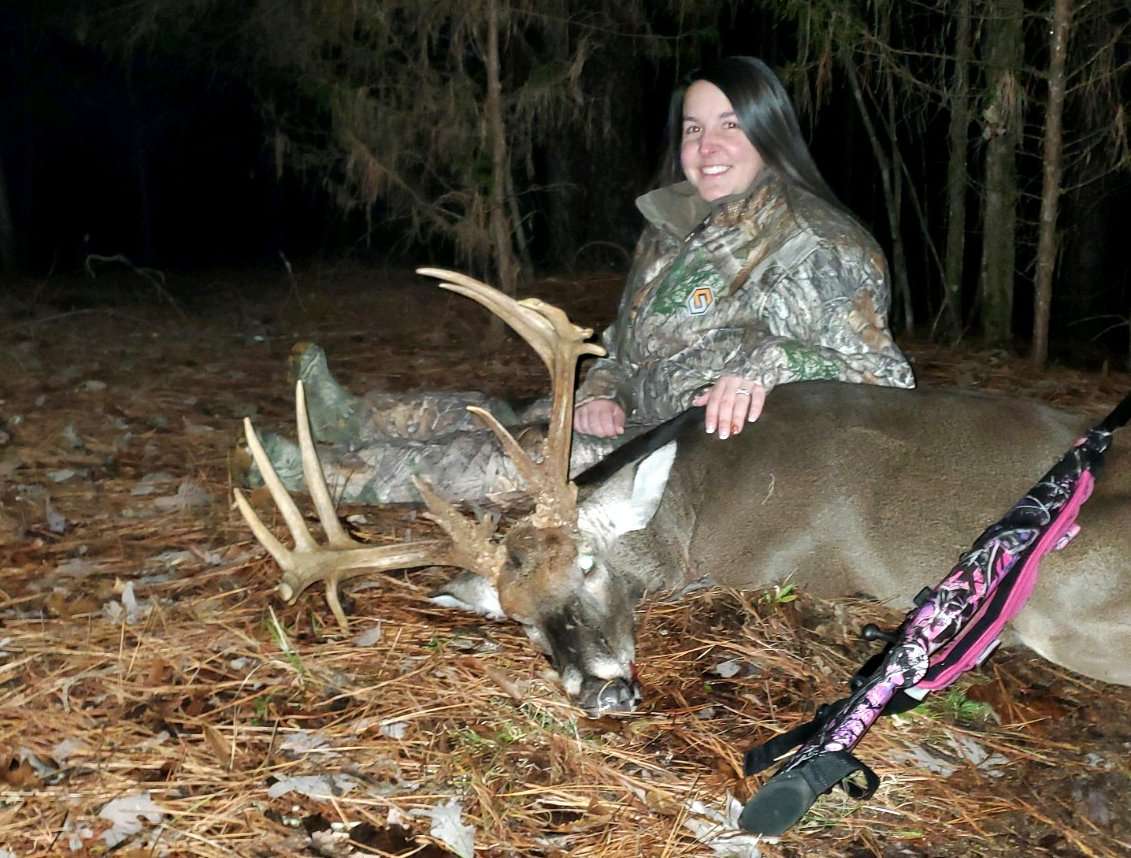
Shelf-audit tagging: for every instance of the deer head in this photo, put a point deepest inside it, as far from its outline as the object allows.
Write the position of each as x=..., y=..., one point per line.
x=546, y=572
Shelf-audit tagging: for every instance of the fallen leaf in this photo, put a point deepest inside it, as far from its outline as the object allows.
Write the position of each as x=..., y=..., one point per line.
x=220, y=746
x=17, y=773
x=313, y=786
x=662, y=803
x=150, y=483
x=71, y=437
x=66, y=749
x=719, y=830
x=158, y=673
x=128, y=815
x=394, y=730
x=190, y=496
x=56, y=522
x=449, y=829
x=368, y=637
x=194, y=707
x=62, y=604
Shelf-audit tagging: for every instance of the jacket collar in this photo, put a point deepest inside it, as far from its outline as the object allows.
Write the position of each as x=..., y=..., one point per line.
x=678, y=208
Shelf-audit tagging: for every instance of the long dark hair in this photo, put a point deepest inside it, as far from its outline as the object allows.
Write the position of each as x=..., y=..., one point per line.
x=766, y=115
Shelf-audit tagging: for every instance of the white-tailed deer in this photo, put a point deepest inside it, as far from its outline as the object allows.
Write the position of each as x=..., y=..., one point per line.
x=843, y=489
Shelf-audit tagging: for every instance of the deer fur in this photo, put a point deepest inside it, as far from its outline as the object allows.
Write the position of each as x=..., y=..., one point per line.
x=843, y=490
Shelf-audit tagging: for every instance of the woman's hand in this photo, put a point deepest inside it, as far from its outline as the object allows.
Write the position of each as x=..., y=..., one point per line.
x=731, y=402
x=600, y=417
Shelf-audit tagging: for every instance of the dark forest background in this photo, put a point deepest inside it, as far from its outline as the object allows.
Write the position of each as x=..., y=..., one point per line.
x=985, y=142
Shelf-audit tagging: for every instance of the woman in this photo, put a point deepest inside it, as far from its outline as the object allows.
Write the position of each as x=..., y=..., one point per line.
x=748, y=275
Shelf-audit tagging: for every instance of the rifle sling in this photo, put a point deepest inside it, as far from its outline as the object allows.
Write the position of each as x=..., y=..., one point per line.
x=788, y=795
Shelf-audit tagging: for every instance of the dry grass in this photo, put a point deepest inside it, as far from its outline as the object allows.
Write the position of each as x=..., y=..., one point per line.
x=213, y=693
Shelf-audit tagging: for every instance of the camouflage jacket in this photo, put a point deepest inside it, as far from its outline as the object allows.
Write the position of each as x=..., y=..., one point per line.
x=773, y=285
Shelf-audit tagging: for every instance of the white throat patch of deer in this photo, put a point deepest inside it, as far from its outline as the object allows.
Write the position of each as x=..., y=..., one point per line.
x=842, y=488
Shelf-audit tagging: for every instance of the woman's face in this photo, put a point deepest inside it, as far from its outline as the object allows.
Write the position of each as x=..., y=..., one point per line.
x=717, y=156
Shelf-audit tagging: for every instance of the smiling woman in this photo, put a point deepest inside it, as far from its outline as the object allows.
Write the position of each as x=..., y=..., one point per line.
x=716, y=155
x=749, y=273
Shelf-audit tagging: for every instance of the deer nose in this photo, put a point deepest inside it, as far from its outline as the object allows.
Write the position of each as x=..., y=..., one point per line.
x=600, y=696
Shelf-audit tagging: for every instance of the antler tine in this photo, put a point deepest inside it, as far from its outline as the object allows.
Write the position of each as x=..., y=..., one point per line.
x=536, y=330
x=569, y=345
x=315, y=478
x=342, y=558
x=291, y=515
x=552, y=493
x=559, y=343
x=266, y=538
x=472, y=548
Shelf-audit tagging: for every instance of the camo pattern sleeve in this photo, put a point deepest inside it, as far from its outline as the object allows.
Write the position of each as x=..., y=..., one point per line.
x=825, y=320
x=607, y=376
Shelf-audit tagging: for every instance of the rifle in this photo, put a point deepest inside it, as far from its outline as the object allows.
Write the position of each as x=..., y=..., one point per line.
x=952, y=629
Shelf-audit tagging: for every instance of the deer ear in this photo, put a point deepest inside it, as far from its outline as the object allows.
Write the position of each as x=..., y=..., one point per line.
x=628, y=499
x=649, y=482
x=467, y=591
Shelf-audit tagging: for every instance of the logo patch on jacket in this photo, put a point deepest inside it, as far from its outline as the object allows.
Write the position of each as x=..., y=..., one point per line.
x=700, y=300
x=691, y=285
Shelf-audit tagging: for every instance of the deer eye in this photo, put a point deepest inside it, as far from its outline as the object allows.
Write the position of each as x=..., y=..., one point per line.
x=515, y=557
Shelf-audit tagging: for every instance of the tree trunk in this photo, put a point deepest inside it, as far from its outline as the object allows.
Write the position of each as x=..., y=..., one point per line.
x=501, y=234
x=957, y=173
x=890, y=180
x=898, y=249
x=526, y=260
x=1050, y=190
x=1002, y=131
x=563, y=217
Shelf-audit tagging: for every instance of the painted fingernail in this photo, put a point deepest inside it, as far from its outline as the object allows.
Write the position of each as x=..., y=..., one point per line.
x=723, y=434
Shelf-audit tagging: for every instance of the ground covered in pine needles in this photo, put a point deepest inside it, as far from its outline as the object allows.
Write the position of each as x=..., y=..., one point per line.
x=156, y=699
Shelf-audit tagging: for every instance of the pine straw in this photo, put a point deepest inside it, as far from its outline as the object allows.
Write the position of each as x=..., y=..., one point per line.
x=204, y=704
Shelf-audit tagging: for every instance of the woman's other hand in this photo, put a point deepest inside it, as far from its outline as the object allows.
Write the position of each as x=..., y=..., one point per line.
x=731, y=403
x=600, y=417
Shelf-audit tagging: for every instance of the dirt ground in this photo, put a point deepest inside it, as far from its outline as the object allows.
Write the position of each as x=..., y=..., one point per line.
x=157, y=699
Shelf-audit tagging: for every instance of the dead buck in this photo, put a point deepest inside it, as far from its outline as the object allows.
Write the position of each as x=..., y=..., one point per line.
x=843, y=489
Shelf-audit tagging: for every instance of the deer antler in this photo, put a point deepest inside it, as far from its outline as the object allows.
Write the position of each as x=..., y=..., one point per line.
x=559, y=343
x=343, y=557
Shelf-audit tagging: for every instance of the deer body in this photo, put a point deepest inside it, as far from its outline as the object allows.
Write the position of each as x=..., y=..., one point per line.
x=853, y=489
x=843, y=489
